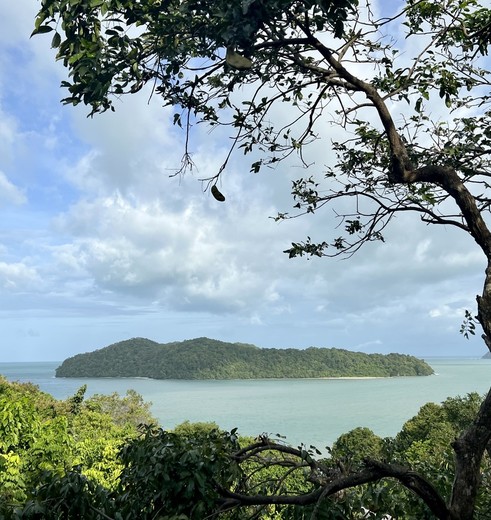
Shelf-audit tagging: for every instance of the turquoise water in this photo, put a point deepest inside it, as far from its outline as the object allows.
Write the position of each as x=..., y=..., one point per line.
x=312, y=411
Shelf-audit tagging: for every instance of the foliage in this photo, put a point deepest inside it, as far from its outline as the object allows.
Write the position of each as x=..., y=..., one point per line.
x=32, y=438
x=40, y=436
x=69, y=496
x=106, y=60
x=424, y=445
x=203, y=358
x=357, y=445
x=129, y=411
x=169, y=474
x=184, y=476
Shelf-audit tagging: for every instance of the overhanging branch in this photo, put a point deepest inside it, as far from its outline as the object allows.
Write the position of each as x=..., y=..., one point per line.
x=372, y=472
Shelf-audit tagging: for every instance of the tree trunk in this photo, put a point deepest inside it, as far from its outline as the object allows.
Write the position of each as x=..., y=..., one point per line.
x=471, y=445
x=484, y=307
x=469, y=449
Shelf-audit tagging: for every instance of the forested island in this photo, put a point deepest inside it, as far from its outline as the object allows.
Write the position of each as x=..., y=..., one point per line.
x=204, y=358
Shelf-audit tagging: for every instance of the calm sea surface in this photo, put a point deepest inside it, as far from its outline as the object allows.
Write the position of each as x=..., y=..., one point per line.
x=312, y=411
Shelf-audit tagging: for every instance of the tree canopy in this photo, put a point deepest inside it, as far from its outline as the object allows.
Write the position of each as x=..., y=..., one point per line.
x=327, y=61
x=42, y=436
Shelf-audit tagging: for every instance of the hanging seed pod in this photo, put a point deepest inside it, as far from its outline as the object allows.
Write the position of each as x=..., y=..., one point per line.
x=236, y=60
x=217, y=194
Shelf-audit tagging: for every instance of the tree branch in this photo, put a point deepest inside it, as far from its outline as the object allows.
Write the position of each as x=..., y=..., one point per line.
x=372, y=472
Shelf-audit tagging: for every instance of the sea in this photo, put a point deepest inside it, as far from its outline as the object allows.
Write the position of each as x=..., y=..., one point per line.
x=312, y=412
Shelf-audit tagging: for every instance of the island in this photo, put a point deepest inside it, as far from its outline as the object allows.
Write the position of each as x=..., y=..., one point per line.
x=204, y=358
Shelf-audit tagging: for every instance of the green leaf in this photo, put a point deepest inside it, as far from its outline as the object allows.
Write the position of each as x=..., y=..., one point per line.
x=56, y=41
x=42, y=29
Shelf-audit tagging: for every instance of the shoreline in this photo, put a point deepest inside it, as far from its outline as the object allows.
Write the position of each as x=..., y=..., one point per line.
x=321, y=378
x=358, y=377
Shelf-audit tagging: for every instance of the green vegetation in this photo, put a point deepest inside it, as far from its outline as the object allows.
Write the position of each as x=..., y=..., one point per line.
x=88, y=458
x=421, y=448
x=42, y=436
x=204, y=358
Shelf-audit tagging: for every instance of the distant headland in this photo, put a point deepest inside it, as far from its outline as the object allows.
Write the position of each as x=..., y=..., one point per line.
x=204, y=358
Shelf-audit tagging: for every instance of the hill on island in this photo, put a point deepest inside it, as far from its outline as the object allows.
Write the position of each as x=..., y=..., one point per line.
x=204, y=358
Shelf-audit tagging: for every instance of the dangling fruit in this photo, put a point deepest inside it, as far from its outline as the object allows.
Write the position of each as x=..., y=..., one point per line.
x=217, y=194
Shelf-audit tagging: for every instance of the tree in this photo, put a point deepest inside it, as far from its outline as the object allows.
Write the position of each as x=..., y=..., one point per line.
x=175, y=475
x=327, y=60
x=34, y=439
x=42, y=440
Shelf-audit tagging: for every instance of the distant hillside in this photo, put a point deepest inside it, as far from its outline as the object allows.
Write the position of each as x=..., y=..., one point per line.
x=204, y=358
x=487, y=355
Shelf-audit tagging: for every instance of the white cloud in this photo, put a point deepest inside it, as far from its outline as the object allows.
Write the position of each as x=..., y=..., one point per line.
x=186, y=258
x=18, y=277
x=9, y=193
x=7, y=132
x=369, y=345
x=421, y=250
x=448, y=311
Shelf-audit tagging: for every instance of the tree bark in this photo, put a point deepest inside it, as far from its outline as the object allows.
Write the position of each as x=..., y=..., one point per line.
x=469, y=450
x=484, y=307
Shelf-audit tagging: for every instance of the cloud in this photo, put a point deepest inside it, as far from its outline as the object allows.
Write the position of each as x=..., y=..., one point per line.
x=369, y=345
x=192, y=258
x=9, y=193
x=7, y=133
x=447, y=311
x=18, y=277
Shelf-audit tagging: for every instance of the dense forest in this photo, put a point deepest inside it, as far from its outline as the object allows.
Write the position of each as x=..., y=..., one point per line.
x=105, y=457
x=204, y=358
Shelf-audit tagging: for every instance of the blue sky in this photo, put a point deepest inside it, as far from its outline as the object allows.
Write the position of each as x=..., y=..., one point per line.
x=98, y=244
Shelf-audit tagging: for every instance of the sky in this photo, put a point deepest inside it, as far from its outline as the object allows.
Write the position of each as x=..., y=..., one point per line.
x=98, y=243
